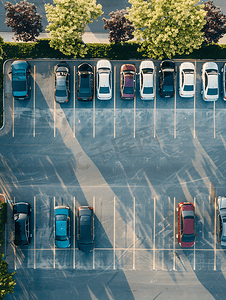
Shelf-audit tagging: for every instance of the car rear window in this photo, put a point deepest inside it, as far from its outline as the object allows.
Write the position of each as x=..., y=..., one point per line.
x=19, y=85
x=212, y=92
x=148, y=90
x=104, y=90
x=128, y=90
x=188, y=238
x=188, y=88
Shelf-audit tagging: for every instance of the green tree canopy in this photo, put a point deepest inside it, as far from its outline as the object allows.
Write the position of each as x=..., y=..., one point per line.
x=67, y=20
x=168, y=27
x=6, y=279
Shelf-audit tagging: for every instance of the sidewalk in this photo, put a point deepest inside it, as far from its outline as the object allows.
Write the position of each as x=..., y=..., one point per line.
x=88, y=37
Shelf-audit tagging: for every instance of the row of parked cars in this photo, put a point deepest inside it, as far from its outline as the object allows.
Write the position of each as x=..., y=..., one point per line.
x=62, y=220
x=85, y=80
x=85, y=225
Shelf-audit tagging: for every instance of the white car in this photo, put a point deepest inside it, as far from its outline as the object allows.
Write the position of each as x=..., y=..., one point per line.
x=210, y=84
x=104, y=80
x=187, y=80
x=147, y=80
x=223, y=70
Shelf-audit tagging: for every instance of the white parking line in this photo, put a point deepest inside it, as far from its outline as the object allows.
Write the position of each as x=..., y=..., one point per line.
x=34, y=233
x=114, y=236
x=94, y=104
x=54, y=119
x=134, y=233
x=215, y=233
x=194, y=100
x=54, y=250
x=74, y=233
x=114, y=97
x=134, y=118
x=34, y=102
x=175, y=110
x=214, y=123
x=13, y=117
x=174, y=233
x=154, y=239
x=93, y=233
x=194, y=243
x=155, y=106
x=74, y=105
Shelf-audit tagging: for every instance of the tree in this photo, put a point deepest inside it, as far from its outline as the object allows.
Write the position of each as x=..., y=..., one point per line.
x=24, y=20
x=215, y=26
x=121, y=29
x=67, y=21
x=167, y=27
x=7, y=282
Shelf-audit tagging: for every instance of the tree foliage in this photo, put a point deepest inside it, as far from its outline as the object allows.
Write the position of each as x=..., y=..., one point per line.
x=7, y=282
x=24, y=20
x=121, y=29
x=168, y=27
x=67, y=20
x=215, y=26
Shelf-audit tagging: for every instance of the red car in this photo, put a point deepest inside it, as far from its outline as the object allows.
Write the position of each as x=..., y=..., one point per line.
x=186, y=224
x=127, y=81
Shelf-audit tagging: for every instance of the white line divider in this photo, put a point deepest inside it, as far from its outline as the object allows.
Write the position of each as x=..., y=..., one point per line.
x=154, y=238
x=74, y=232
x=134, y=233
x=214, y=119
x=155, y=105
x=34, y=102
x=114, y=237
x=114, y=99
x=175, y=110
x=13, y=117
x=54, y=201
x=195, y=241
x=54, y=118
x=34, y=232
x=215, y=234
x=194, y=100
x=74, y=105
x=134, y=118
x=174, y=233
x=94, y=232
x=94, y=91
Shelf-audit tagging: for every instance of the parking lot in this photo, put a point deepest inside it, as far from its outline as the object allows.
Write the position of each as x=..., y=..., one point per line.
x=133, y=161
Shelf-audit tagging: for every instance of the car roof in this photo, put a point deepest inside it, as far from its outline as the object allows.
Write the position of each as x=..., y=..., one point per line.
x=189, y=79
x=148, y=80
x=104, y=79
x=128, y=80
x=212, y=80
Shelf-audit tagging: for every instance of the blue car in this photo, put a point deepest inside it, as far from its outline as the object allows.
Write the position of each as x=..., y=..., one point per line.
x=20, y=80
x=62, y=227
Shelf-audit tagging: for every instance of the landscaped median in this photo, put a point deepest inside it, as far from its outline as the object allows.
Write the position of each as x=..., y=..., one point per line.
x=120, y=51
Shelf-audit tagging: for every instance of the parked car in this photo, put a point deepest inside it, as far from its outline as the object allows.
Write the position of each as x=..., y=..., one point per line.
x=186, y=224
x=85, y=82
x=221, y=221
x=62, y=81
x=104, y=80
x=187, y=80
x=62, y=227
x=210, y=85
x=85, y=228
x=223, y=70
x=147, y=80
x=127, y=81
x=22, y=227
x=167, y=79
x=21, y=86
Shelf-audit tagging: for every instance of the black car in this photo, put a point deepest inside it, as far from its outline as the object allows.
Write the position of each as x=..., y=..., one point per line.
x=22, y=228
x=167, y=79
x=85, y=82
x=85, y=228
x=20, y=70
x=62, y=78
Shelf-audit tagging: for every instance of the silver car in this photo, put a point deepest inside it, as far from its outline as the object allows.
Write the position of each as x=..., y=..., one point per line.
x=223, y=70
x=62, y=90
x=147, y=80
x=210, y=85
x=221, y=221
x=104, y=80
x=187, y=80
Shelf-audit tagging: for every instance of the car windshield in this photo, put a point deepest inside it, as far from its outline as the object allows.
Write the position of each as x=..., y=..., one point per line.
x=19, y=85
x=61, y=238
x=148, y=90
x=128, y=90
x=188, y=238
x=188, y=88
x=61, y=93
x=212, y=92
x=104, y=90
x=61, y=218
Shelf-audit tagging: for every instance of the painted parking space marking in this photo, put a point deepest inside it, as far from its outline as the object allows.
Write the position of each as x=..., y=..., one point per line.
x=114, y=238
x=34, y=103
x=94, y=91
x=54, y=118
x=175, y=110
x=194, y=243
x=174, y=233
x=54, y=230
x=134, y=118
x=155, y=105
x=93, y=233
x=114, y=98
x=154, y=234
x=214, y=121
x=74, y=106
x=74, y=233
x=34, y=233
x=194, y=135
x=134, y=232
x=13, y=117
x=215, y=233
